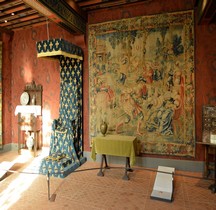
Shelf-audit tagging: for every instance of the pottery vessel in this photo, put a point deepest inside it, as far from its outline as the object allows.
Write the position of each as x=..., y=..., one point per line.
x=103, y=128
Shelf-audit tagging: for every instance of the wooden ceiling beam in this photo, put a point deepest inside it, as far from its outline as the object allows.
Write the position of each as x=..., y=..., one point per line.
x=3, y=30
x=27, y=23
x=18, y=20
x=61, y=12
x=76, y=8
x=9, y=3
x=100, y=4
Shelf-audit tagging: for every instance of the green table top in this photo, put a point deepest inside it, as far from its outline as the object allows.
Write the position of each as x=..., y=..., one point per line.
x=116, y=145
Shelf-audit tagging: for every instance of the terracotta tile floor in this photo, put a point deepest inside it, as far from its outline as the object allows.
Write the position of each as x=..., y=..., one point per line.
x=85, y=190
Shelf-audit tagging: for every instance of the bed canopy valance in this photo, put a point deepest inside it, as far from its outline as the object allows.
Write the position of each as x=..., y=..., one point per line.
x=55, y=48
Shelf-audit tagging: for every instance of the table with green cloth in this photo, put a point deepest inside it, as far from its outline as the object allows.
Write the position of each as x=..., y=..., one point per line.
x=115, y=145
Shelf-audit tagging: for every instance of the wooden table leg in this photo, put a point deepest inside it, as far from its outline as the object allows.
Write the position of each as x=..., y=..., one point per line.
x=128, y=165
x=127, y=168
x=207, y=170
x=106, y=165
x=213, y=186
x=100, y=173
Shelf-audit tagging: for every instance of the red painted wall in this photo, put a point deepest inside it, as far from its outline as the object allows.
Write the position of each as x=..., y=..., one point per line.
x=20, y=65
x=205, y=75
x=6, y=89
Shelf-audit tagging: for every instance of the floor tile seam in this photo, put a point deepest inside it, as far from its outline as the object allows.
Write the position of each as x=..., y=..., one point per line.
x=201, y=190
x=138, y=182
x=71, y=196
x=105, y=179
x=82, y=206
x=74, y=198
x=179, y=196
x=141, y=176
x=198, y=199
x=72, y=180
x=36, y=192
x=102, y=188
x=141, y=189
x=135, y=187
x=205, y=202
x=89, y=183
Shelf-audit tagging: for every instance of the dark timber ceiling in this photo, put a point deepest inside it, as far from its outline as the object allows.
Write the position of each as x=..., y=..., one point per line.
x=70, y=14
x=16, y=14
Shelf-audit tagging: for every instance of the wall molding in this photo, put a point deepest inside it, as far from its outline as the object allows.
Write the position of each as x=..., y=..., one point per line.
x=153, y=163
x=147, y=162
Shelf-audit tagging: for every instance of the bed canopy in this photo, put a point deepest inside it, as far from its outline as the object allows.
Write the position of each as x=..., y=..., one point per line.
x=66, y=146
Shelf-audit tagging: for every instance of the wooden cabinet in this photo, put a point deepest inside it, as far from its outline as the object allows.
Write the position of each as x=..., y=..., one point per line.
x=209, y=142
x=209, y=137
x=30, y=120
x=210, y=163
x=209, y=124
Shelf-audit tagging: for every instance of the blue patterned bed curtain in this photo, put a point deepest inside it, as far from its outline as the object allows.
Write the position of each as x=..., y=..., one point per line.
x=66, y=146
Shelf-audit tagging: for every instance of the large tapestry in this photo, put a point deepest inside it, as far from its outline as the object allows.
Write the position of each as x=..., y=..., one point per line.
x=142, y=81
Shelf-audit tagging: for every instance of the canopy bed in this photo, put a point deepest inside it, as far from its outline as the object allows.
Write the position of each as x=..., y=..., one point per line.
x=66, y=146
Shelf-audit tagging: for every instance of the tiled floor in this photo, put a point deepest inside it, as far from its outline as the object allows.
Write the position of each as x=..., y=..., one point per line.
x=83, y=189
